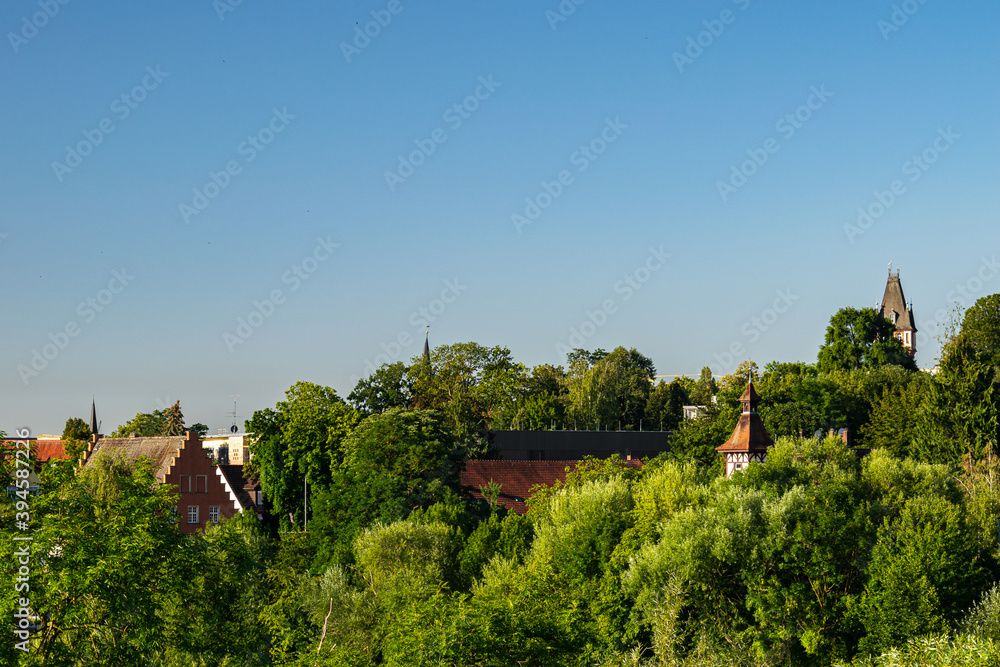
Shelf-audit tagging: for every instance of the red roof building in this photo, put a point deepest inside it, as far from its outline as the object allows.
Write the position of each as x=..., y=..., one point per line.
x=516, y=478
x=206, y=493
x=749, y=441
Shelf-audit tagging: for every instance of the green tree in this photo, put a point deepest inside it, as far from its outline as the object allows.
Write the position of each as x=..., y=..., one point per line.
x=213, y=618
x=390, y=386
x=475, y=386
x=590, y=358
x=173, y=420
x=393, y=463
x=958, y=422
x=543, y=402
x=981, y=328
x=893, y=423
x=76, y=429
x=107, y=556
x=611, y=393
x=704, y=388
x=926, y=569
x=144, y=425
x=299, y=440
x=157, y=423
x=197, y=427
x=861, y=338
x=665, y=405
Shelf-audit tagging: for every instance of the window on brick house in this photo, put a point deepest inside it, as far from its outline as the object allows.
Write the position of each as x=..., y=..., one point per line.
x=202, y=484
x=193, y=513
x=185, y=485
x=213, y=514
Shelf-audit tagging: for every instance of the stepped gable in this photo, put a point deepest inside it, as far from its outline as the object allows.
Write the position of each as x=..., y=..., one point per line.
x=235, y=485
x=163, y=451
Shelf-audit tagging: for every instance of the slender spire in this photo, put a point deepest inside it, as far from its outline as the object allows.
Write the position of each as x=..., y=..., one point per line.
x=427, y=347
x=93, y=416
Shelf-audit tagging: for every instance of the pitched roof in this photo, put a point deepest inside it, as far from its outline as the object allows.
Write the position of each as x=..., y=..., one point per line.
x=49, y=449
x=162, y=450
x=516, y=478
x=233, y=481
x=893, y=301
x=750, y=435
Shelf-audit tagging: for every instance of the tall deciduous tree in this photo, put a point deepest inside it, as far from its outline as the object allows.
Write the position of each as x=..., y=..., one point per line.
x=76, y=429
x=926, y=569
x=861, y=338
x=981, y=328
x=299, y=440
x=144, y=424
x=959, y=419
x=390, y=386
x=611, y=393
x=393, y=463
x=477, y=387
x=665, y=405
x=107, y=555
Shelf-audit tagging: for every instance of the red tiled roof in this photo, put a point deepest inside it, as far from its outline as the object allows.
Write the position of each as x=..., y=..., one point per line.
x=516, y=478
x=41, y=450
x=49, y=449
x=750, y=435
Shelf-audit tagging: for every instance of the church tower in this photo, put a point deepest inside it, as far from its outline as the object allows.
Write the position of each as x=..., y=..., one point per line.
x=749, y=441
x=895, y=309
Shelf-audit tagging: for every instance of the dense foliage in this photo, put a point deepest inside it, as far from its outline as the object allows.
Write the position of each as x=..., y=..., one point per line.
x=822, y=555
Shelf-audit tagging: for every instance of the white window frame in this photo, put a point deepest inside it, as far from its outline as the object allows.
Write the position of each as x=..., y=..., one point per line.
x=213, y=513
x=201, y=484
x=193, y=513
x=185, y=482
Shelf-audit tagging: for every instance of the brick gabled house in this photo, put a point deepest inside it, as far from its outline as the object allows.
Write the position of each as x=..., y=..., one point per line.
x=206, y=493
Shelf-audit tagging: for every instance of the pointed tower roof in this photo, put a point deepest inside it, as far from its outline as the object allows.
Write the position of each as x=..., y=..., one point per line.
x=894, y=307
x=749, y=434
x=427, y=348
x=93, y=416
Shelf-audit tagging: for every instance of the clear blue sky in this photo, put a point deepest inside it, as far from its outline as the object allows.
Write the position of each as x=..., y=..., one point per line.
x=664, y=121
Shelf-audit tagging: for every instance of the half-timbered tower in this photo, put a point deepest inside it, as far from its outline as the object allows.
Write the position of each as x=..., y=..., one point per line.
x=749, y=441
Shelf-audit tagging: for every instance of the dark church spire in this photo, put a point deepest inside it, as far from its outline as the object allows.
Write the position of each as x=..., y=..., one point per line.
x=93, y=416
x=427, y=348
